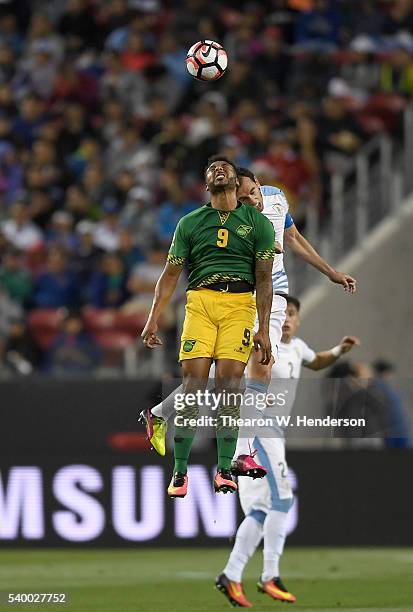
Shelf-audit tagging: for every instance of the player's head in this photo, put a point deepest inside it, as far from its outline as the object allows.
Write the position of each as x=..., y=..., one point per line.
x=292, y=318
x=249, y=191
x=221, y=174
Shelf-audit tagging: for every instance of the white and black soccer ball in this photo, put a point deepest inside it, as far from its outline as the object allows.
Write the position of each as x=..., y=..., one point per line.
x=206, y=60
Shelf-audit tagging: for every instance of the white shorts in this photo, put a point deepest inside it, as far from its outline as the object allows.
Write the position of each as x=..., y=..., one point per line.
x=273, y=492
x=277, y=318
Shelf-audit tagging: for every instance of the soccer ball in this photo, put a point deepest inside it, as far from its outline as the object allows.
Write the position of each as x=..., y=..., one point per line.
x=206, y=60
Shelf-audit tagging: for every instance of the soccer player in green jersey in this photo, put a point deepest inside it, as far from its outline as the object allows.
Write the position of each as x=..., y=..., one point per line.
x=229, y=249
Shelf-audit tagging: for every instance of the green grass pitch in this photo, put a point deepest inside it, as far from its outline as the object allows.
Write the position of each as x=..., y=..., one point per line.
x=181, y=580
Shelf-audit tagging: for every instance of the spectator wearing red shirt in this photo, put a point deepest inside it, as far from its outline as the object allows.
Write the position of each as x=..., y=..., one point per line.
x=136, y=57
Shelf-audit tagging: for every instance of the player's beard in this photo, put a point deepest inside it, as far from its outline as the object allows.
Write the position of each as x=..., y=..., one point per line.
x=229, y=185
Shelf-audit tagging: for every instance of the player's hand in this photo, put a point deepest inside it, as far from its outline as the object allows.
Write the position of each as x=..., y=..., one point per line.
x=262, y=342
x=341, y=278
x=149, y=337
x=349, y=342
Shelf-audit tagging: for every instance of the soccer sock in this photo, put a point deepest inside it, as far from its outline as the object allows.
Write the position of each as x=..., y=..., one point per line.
x=227, y=434
x=275, y=533
x=248, y=537
x=166, y=408
x=252, y=398
x=183, y=438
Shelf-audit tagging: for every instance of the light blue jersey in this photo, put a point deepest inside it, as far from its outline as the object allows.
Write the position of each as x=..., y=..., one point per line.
x=276, y=210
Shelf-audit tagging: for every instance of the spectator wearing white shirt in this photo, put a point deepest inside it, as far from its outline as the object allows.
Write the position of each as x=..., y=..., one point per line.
x=107, y=231
x=19, y=230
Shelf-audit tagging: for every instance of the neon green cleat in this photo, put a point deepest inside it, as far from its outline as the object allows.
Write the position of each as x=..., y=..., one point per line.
x=156, y=428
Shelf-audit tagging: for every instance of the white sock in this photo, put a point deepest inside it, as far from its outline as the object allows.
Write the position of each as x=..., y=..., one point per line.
x=166, y=408
x=253, y=397
x=275, y=530
x=248, y=537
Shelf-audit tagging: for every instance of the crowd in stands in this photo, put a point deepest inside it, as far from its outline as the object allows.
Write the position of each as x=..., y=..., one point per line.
x=104, y=136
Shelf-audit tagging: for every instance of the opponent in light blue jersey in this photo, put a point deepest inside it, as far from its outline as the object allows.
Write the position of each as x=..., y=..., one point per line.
x=275, y=208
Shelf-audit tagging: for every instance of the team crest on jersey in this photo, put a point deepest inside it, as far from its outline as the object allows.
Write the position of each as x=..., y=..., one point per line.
x=243, y=230
x=188, y=346
x=278, y=208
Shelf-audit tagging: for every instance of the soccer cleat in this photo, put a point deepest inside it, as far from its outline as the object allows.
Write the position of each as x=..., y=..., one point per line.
x=245, y=465
x=178, y=487
x=155, y=430
x=233, y=591
x=223, y=482
x=276, y=590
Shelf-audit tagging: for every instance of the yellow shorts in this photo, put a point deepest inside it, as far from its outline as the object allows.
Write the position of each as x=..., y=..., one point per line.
x=218, y=325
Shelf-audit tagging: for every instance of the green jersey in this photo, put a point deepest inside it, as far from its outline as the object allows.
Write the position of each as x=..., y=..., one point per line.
x=222, y=245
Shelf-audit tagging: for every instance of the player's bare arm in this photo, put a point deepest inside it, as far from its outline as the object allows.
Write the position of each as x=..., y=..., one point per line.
x=324, y=359
x=263, y=280
x=301, y=247
x=163, y=291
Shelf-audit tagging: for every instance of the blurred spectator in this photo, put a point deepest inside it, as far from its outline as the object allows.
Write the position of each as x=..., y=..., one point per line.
x=57, y=286
x=136, y=56
x=396, y=73
x=107, y=287
x=398, y=434
x=22, y=355
x=78, y=26
x=14, y=279
x=399, y=17
x=340, y=135
x=41, y=33
x=61, y=231
x=142, y=281
x=108, y=229
x=74, y=352
x=19, y=230
x=319, y=27
x=128, y=251
x=349, y=395
x=173, y=208
x=275, y=63
x=28, y=123
x=87, y=256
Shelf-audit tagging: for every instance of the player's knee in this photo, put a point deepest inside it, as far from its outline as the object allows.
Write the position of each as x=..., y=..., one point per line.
x=228, y=374
x=260, y=373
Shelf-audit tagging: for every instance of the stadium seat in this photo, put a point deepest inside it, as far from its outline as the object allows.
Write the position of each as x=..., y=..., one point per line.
x=371, y=124
x=44, y=323
x=131, y=324
x=113, y=339
x=113, y=345
x=96, y=320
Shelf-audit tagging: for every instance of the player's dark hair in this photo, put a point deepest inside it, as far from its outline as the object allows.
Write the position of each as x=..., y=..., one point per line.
x=293, y=300
x=216, y=158
x=245, y=172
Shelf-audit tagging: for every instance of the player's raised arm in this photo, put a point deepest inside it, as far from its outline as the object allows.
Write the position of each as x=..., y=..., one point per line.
x=301, y=247
x=264, y=257
x=324, y=359
x=166, y=285
x=163, y=291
